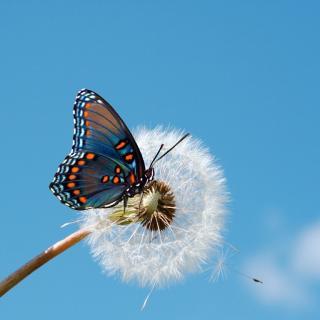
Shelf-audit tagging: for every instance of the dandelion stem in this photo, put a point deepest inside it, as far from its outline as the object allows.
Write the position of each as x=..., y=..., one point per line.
x=45, y=256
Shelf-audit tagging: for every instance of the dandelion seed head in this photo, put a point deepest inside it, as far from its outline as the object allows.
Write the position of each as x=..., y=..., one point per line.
x=187, y=233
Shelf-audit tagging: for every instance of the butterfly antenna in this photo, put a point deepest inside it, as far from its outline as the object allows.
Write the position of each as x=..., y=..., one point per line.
x=155, y=157
x=186, y=135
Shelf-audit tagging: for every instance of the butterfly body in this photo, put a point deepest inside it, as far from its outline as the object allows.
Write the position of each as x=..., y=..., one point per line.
x=105, y=165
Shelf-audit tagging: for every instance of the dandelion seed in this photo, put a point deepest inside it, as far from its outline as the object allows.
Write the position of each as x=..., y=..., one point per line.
x=222, y=266
x=177, y=225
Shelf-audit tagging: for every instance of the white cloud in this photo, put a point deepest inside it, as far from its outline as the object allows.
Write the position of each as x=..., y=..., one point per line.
x=306, y=254
x=289, y=276
x=280, y=286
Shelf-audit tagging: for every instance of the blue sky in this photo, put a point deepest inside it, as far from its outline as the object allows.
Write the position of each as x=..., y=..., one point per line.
x=243, y=76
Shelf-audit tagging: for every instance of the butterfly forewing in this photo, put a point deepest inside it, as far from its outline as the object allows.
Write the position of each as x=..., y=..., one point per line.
x=104, y=159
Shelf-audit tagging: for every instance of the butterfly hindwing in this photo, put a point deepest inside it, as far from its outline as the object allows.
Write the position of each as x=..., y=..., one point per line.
x=104, y=159
x=88, y=180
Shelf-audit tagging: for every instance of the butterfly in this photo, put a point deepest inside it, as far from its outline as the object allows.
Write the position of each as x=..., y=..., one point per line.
x=105, y=165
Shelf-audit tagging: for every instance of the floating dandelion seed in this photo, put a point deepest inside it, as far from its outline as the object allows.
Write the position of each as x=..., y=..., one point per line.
x=174, y=227
x=220, y=268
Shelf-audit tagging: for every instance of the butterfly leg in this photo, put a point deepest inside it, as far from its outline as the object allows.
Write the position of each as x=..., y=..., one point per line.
x=125, y=202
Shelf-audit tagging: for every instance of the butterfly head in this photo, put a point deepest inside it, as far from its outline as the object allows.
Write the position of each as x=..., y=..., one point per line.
x=149, y=174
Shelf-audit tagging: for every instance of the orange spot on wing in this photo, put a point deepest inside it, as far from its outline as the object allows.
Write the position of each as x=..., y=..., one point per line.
x=72, y=177
x=83, y=199
x=132, y=178
x=71, y=184
x=76, y=192
x=90, y=156
x=88, y=133
x=116, y=180
x=75, y=169
x=81, y=162
x=128, y=157
x=118, y=169
x=105, y=179
x=121, y=145
x=87, y=123
x=88, y=105
x=86, y=114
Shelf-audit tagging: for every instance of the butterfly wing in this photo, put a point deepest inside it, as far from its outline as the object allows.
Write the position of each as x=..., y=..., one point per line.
x=104, y=159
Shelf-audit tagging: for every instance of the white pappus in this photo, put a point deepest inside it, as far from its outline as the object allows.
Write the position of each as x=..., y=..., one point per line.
x=183, y=231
